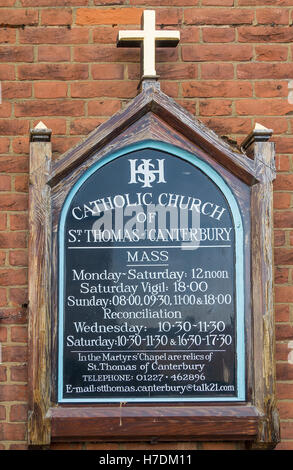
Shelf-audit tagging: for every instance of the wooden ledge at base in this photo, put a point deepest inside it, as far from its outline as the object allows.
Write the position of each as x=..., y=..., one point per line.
x=236, y=422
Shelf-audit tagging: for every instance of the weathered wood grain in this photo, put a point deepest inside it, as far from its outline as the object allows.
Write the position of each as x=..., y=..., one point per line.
x=39, y=291
x=155, y=422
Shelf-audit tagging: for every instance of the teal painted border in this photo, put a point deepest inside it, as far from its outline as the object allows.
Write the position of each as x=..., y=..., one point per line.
x=239, y=239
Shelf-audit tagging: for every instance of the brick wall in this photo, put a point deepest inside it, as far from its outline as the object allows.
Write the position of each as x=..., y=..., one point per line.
x=59, y=64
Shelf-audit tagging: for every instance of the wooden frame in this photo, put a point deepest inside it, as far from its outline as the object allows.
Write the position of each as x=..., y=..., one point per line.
x=249, y=172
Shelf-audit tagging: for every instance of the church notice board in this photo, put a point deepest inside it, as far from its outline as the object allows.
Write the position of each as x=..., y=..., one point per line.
x=151, y=283
x=156, y=288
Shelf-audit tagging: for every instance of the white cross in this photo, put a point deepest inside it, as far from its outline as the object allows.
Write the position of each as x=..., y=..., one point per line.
x=149, y=37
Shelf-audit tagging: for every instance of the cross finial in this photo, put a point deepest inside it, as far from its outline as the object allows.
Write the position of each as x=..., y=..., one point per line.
x=149, y=38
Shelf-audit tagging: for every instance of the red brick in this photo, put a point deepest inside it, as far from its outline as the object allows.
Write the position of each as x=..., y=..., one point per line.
x=18, y=373
x=110, y=2
x=282, y=200
x=287, y=430
x=283, y=182
x=61, y=144
x=50, y=90
x=283, y=145
x=105, y=34
x=282, y=350
x=284, y=371
x=284, y=294
x=176, y=72
x=20, y=145
x=282, y=313
x=271, y=88
x=276, y=107
x=284, y=332
x=13, y=240
x=265, y=34
x=170, y=88
x=10, y=277
x=56, y=17
x=53, y=72
x=19, y=17
x=19, y=334
x=284, y=390
x=122, y=89
x=12, y=432
x=13, y=164
x=284, y=256
x=18, y=258
x=94, y=53
x=14, y=354
x=13, y=202
x=103, y=107
x=7, y=3
x=5, y=110
x=264, y=2
x=5, y=183
x=216, y=89
x=7, y=72
x=18, y=221
x=13, y=127
x=217, y=71
x=84, y=126
x=3, y=373
x=49, y=108
x=169, y=16
x=283, y=219
x=89, y=16
x=21, y=183
x=271, y=53
x=2, y=413
x=211, y=16
x=4, y=144
x=12, y=90
x=220, y=3
x=228, y=125
x=189, y=34
x=217, y=52
x=54, y=53
x=3, y=334
x=18, y=413
x=215, y=107
x=60, y=35
x=3, y=297
x=53, y=3
x=108, y=71
x=179, y=3
x=7, y=35
x=286, y=409
x=218, y=34
x=16, y=54
x=3, y=224
x=272, y=16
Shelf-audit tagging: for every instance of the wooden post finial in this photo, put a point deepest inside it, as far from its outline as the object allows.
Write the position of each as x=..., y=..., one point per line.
x=40, y=133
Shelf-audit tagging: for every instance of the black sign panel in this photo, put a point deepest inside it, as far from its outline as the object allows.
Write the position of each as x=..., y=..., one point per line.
x=151, y=279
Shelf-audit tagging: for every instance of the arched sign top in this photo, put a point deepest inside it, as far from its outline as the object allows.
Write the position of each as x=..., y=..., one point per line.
x=151, y=291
